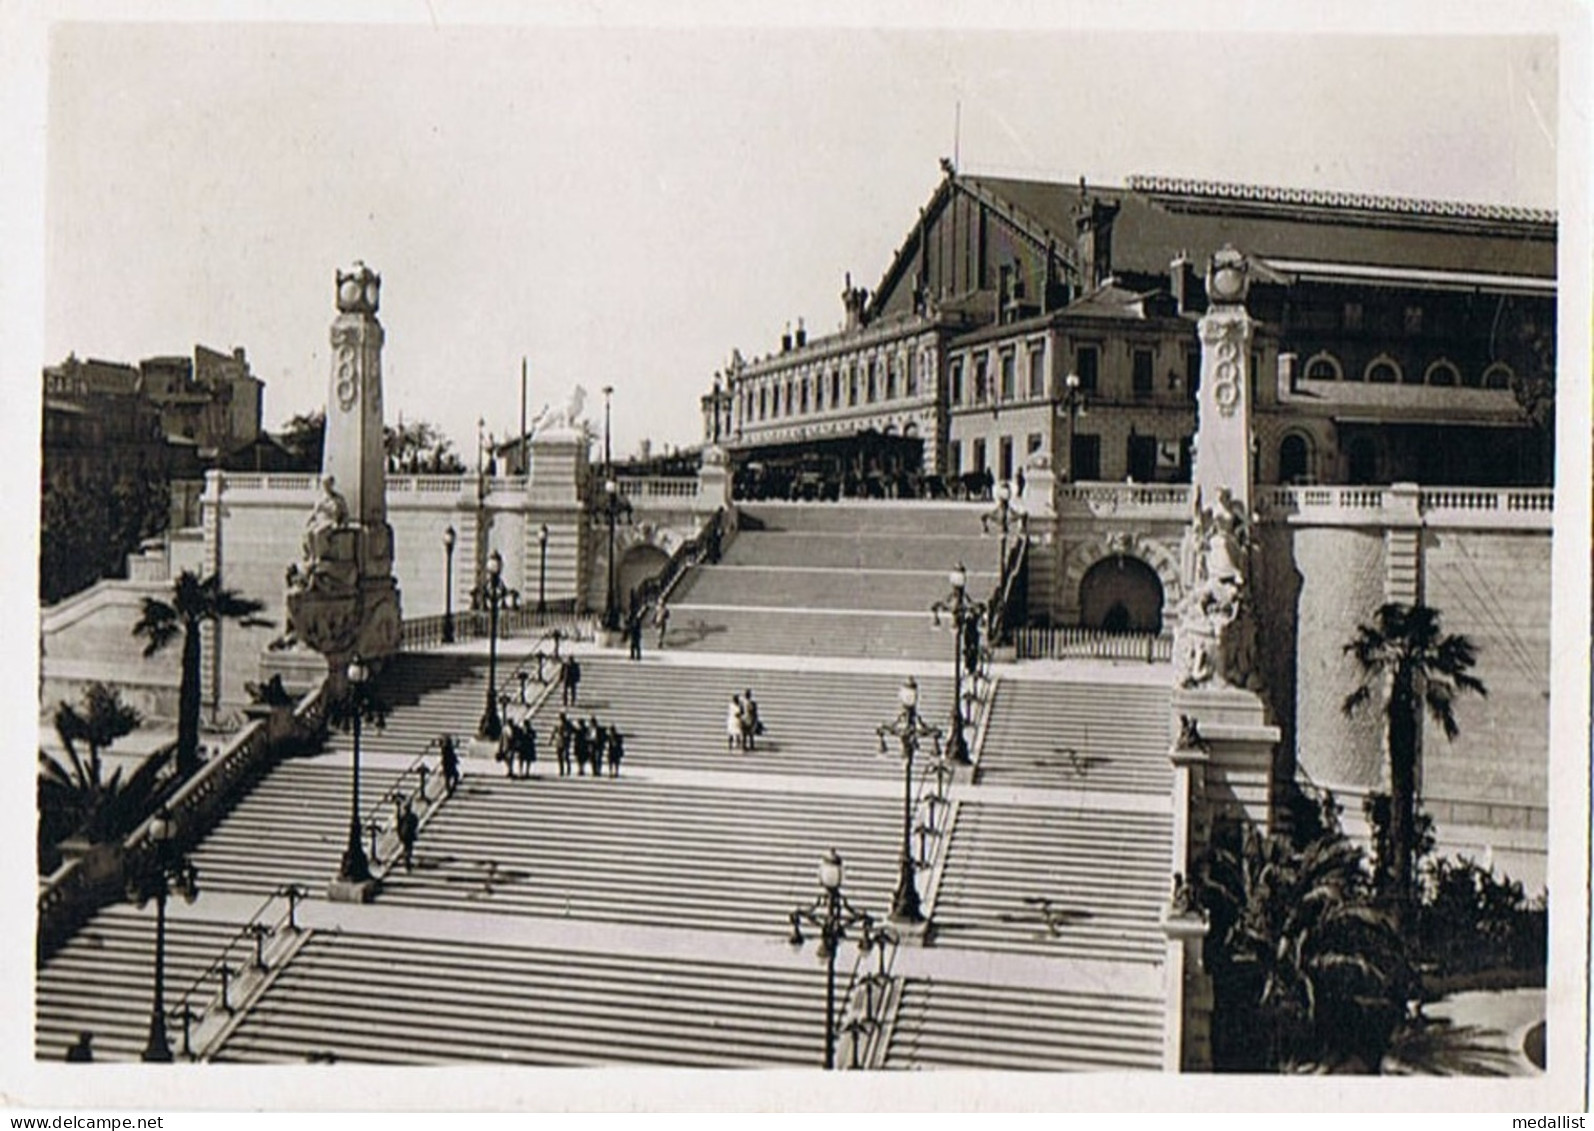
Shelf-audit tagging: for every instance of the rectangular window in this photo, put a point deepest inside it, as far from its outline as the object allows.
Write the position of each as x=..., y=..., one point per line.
x=763, y=401
x=1004, y=456
x=912, y=379
x=819, y=393
x=835, y=388
x=1143, y=360
x=1087, y=360
x=1142, y=458
x=1192, y=372
x=1085, y=459
x=1009, y=367
x=891, y=378
x=852, y=384
x=873, y=373
x=954, y=457
x=981, y=378
x=803, y=402
x=977, y=461
x=1032, y=443
x=955, y=382
x=1037, y=369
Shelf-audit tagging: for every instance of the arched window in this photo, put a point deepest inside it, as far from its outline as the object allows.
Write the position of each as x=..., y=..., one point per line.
x=1497, y=376
x=1444, y=374
x=1382, y=370
x=819, y=393
x=1121, y=594
x=1322, y=367
x=1295, y=459
x=891, y=378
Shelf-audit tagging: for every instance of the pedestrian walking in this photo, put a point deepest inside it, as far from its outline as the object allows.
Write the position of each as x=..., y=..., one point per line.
x=526, y=749
x=616, y=750
x=583, y=744
x=448, y=754
x=662, y=618
x=83, y=1051
x=733, y=723
x=572, y=681
x=752, y=726
x=506, y=746
x=633, y=634
x=600, y=743
x=409, y=827
x=562, y=736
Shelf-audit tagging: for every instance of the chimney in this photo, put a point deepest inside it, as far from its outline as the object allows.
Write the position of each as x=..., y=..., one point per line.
x=1093, y=221
x=1182, y=282
x=785, y=340
x=238, y=353
x=802, y=334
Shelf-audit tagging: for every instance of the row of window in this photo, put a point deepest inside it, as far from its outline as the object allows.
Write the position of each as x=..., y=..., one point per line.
x=869, y=383
x=979, y=453
x=1385, y=370
x=984, y=387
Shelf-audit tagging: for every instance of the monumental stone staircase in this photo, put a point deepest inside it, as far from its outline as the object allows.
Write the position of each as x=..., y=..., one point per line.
x=640, y=919
x=834, y=580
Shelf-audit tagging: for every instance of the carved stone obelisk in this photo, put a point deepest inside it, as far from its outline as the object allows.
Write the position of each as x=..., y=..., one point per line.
x=342, y=599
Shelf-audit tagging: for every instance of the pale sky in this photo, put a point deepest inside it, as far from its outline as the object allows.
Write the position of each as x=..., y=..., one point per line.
x=626, y=206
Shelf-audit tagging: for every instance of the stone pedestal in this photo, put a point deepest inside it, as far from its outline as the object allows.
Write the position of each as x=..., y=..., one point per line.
x=1187, y=1039
x=1239, y=744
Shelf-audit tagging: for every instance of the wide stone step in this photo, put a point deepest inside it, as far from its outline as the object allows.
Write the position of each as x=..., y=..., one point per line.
x=928, y=551
x=103, y=981
x=1059, y=882
x=356, y=997
x=844, y=589
x=1071, y=736
x=878, y=516
x=958, y=1025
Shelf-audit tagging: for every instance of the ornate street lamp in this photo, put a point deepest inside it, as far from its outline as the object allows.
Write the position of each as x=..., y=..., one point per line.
x=449, y=537
x=965, y=614
x=168, y=870
x=834, y=915
x=910, y=731
x=1004, y=517
x=493, y=593
x=542, y=567
x=356, y=867
x=1073, y=406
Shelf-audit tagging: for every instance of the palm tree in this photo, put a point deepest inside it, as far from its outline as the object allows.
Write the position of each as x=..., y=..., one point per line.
x=1310, y=974
x=1405, y=657
x=193, y=603
x=74, y=794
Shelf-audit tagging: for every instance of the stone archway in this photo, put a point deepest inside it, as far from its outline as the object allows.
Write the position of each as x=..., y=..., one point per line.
x=638, y=563
x=1121, y=594
x=1159, y=559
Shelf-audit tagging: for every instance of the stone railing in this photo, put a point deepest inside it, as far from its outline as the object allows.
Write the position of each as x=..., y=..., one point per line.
x=637, y=488
x=1126, y=500
x=1409, y=504
x=421, y=633
x=1067, y=643
x=426, y=484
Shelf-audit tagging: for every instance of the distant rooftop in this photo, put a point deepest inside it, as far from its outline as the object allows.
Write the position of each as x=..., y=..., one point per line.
x=1323, y=198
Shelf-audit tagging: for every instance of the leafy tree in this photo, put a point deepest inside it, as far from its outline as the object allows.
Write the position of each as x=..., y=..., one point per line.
x=89, y=524
x=1405, y=659
x=193, y=603
x=1309, y=973
x=304, y=435
x=419, y=448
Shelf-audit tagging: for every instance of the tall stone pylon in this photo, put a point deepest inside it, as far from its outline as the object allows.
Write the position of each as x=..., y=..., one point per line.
x=342, y=599
x=1218, y=700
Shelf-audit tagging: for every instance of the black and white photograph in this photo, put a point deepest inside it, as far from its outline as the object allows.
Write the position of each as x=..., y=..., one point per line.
x=962, y=558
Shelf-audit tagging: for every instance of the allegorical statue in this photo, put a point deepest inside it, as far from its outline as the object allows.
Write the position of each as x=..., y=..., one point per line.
x=1214, y=640
x=326, y=566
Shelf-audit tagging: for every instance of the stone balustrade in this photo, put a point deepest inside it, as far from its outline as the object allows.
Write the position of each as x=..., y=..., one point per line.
x=639, y=489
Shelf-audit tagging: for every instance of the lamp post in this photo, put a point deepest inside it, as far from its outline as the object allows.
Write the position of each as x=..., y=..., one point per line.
x=356, y=867
x=449, y=537
x=965, y=614
x=493, y=593
x=611, y=609
x=542, y=567
x=834, y=915
x=1073, y=403
x=910, y=731
x=169, y=871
